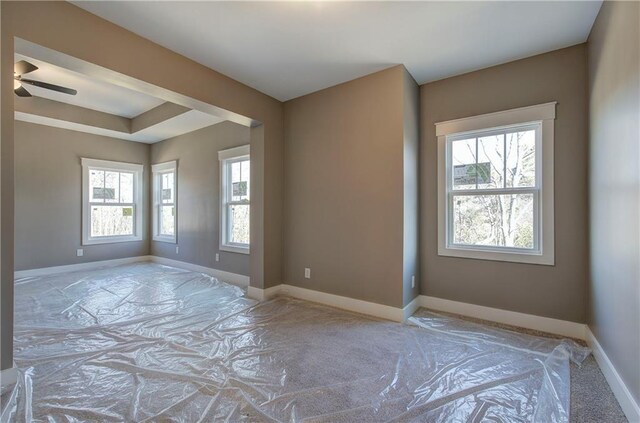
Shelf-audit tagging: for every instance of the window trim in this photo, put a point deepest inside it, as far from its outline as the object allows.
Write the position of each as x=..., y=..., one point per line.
x=138, y=205
x=225, y=158
x=446, y=132
x=157, y=171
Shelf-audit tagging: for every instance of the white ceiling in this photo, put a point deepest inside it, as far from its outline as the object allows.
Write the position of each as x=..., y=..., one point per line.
x=178, y=125
x=92, y=93
x=288, y=49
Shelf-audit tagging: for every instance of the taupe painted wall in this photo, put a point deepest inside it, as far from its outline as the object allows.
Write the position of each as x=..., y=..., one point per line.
x=6, y=203
x=48, y=189
x=198, y=195
x=344, y=158
x=48, y=195
x=554, y=291
x=614, y=186
x=411, y=115
x=66, y=28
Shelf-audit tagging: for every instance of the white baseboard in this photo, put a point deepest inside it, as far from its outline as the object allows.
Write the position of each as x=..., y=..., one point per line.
x=78, y=267
x=346, y=303
x=411, y=308
x=544, y=324
x=263, y=294
x=8, y=378
x=529, y=321
x=619, y=388
x=232, y=278
x=382, y=311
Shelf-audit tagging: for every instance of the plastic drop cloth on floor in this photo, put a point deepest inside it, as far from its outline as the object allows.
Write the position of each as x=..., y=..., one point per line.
x=146, y=342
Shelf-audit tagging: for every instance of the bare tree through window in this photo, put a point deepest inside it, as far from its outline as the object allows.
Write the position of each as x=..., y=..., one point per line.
x=235, y=222
x=491, y=197
x=111, y=203
x=239, y=210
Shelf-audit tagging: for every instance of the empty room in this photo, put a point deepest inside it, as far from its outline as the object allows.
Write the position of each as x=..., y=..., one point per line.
x=320, y=211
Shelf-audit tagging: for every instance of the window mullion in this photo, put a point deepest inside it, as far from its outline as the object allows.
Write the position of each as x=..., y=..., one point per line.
x=502, y=191
x=112, y=204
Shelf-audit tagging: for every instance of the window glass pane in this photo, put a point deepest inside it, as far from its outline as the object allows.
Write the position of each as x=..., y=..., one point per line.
x=111, y=220
x=168, y=180
x=463, y=156
x=111, y=187
x=239, y=224
x=493, y=220
x=126, y=187
x=521, y=159
x=246, y=173
x=235, y=171
x=240, y=173
x=96, y=186
x=167, y=220
x=490, y=167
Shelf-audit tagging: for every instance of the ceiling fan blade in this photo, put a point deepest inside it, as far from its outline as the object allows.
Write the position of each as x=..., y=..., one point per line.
x=22, y=67
x=21, y=92
x=49, y=86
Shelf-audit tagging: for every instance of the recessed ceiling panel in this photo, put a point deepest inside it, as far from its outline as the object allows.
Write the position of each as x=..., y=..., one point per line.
x=181, y=124
x=92, y=93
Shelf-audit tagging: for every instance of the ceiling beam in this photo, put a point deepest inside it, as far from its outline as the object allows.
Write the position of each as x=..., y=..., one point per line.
x=158, y=114
x=68, y=112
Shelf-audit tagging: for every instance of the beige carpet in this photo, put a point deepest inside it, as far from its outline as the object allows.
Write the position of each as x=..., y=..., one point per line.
x=146, y=343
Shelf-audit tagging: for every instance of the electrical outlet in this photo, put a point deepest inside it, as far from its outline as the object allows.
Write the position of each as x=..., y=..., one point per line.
x=307, y=273
x=217, y=257
x=177, y=249
x=80, y=252
x=413, y=281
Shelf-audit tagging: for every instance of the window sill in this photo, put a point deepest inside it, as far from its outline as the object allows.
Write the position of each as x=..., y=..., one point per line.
x=513, y=257
x=111, y=240
x=169, y=240
x=235, y=249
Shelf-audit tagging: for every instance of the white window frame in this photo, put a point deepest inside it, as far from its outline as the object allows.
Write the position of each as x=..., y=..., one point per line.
x=158, y=170
x=541, y=117
x=226, y=157
x=138, y=189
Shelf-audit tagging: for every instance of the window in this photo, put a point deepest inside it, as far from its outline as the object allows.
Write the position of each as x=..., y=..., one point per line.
x=164, y=201
x=495, y=186
x=112, y=202
x=235, y=195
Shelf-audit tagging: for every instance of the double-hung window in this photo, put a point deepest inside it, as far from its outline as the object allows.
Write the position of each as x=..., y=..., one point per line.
x=235, y=199
x=164, y=201
x=495, y=186
x=111, y=202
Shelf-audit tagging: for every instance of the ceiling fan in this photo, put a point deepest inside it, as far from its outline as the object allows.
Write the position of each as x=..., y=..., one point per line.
x=21, y=68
